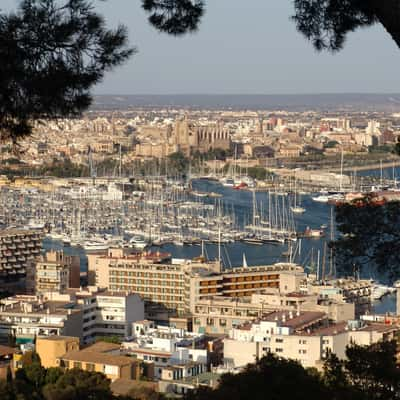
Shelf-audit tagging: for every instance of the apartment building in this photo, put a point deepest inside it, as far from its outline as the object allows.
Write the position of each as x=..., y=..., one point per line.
x=167, y=348
x=107, y=313
x=50, y=348
x=154, y=276
x=101, y=357
x=356, y=291
x=56, y=271
x=26, y=317
x=86, y=314
x=307, y=337
x=18, y=248
x=177, y=285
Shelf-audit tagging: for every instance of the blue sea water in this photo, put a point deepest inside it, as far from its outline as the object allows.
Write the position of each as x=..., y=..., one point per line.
x=240, y=204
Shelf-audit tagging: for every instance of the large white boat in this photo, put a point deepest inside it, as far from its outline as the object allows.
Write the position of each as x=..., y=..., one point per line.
x=138, y=242
x=229, y=182
x=95, y=246
x=321, y=198
x=298, y=209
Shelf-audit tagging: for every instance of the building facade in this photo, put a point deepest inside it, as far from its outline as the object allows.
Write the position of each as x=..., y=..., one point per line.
x=56, y=271
x=177, y=285
x=86, y=314
x=18, y=249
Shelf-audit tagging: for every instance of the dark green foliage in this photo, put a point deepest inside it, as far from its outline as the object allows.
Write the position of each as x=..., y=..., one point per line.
x=109, y=339
x=53, y=374
x=337, y=380
x=326, y=22
x=270, y=378
x=6, y=391
x=77, y=384
x=259, y=173
x=397, y=147
x=370, y=237
x=178, y=164
x=369, y=373
x=374, y=372
x=62, y=168
x=142, y=392
x=331, y=144
x=212, y=154
x=384, y=148
x=175, y=17
x=52, y=52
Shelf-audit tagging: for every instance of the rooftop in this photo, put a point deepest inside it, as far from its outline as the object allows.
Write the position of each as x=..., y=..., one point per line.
x=295, y=320
x=155, y=257
x=102, y=347
x=97, y=358
x=15, y=232
x=56, y=338
x=149, y=351
x=6, y=350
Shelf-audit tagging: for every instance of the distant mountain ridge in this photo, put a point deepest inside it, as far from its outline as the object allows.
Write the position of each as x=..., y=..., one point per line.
x=291, y=102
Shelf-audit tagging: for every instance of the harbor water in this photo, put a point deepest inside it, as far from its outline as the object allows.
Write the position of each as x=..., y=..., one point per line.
x=241, y=204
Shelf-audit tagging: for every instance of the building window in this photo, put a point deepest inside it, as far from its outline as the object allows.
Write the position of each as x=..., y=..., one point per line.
x=279, y=340
x=90, y=367
x=279, y=350
x=77, y=364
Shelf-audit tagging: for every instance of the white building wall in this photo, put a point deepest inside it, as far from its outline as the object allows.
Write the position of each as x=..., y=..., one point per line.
x=238, y=353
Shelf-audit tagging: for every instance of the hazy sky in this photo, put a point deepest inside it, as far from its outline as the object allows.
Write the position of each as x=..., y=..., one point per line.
x=246, y=46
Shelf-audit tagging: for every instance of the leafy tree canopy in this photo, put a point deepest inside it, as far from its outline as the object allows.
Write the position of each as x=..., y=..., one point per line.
x=368, y=373
x=370, y=237
x=52, y=52
x=325, y=23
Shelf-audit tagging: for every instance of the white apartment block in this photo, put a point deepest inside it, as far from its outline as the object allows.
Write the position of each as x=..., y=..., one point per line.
x=86, y=314
x=307, y=337
x=221, y=314
x=108, y=313
x=26, y=317
x=167, y=347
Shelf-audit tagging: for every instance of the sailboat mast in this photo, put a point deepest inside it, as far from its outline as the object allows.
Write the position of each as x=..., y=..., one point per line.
x=331, y=264
x=341, y=171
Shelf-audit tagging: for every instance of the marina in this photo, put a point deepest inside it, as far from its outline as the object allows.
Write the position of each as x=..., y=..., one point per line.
x=258, y=226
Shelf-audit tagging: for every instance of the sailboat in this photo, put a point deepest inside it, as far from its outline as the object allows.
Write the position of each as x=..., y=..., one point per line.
x=244, y=261
x=296, y=208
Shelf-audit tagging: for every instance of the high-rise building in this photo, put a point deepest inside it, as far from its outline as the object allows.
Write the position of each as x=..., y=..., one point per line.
x=56, y=271
x=176, y=285
x=18, y=248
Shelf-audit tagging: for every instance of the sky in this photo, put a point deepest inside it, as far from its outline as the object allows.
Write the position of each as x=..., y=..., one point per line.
x=245, y=47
